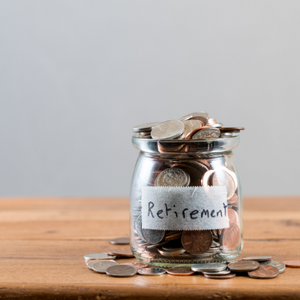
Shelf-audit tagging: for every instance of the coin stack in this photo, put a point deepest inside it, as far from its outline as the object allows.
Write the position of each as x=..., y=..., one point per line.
x=258, y=267
x=196, y=169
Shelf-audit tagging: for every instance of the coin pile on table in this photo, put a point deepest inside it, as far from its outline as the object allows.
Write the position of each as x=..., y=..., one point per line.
x=197, y=170
x=257, y=267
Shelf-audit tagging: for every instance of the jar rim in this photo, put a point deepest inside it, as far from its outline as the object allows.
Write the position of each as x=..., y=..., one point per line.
x=200, y=146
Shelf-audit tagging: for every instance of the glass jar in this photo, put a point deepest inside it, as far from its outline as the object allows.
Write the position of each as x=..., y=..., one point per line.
x=189, y=195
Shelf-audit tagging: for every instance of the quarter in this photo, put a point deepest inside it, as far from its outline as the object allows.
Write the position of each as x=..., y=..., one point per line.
x=172, y=177
x=209, y=267
x=121, y=271
x=258, y=258
x=167, y=130
x=98, y=256
x=152, y=271
x=243, y=266
x=101, y=266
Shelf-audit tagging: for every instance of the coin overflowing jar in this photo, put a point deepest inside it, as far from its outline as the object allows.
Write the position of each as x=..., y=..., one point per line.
x=185, y=192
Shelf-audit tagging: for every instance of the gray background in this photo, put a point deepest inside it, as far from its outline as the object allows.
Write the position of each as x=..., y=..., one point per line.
x=77, y=75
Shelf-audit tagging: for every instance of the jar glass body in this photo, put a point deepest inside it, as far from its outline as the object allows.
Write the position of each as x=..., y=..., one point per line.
x=208, y=163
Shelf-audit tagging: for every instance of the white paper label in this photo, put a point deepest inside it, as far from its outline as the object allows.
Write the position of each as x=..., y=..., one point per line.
x=184, y=208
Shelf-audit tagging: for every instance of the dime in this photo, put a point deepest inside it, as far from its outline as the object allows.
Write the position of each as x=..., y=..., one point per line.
x=201, y=116
x=120, y=253
x=292, y=263
x=264, y=272
x=180, y=271
x=230, y=237
x=168, y=130
x=225, y=272
x=153, y=236
x=121, y=271
x=172, y=177
x=120, y=241
x=91, y=263
x=277, y=264
x=170, y=253
x=228, y=276
x=101, y=266
x=98, y=256
x=243, y=266
x=257, y=258
x=145, y=127
x=152, y=271
x=189, y=126
x=209, y=267
x=138, y=226
x=206, y=133
x=196, y=241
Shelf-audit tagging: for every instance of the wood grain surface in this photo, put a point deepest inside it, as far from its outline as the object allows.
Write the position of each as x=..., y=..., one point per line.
x=43, y=241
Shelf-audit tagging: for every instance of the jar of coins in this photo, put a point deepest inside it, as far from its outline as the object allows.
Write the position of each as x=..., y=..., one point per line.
x=185, y=196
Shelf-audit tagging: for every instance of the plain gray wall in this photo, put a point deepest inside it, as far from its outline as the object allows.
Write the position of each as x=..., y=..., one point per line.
x=77, y=75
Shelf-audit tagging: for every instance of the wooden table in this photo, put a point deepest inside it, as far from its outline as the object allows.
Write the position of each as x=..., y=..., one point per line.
x=43, y=241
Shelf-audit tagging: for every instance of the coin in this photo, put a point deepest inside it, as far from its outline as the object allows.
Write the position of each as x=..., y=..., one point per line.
x=292, y=263
x=138, y=226
x=264, y=272
x=152, y=271
x=228, y=276
x=209, y=267
x=120, y=241
x=206, y=133
x=234, y=218
x=230, y=237
x=232, y=129
x=153, y=236
x=196, y=170
x=91, y=263
x=170, y=253
x=172, y=245
x=120, y=253
x=243, y=266
x=167, y=130
x=180, y=271
x=224, y=272
x=172, y=177
x=145, y=127
x=101, y=266
x=196, y=241
x=121, y=271
x=277, y=264
x=190, y=125
x=201, y=116
x=98, y=256
x=257, y=258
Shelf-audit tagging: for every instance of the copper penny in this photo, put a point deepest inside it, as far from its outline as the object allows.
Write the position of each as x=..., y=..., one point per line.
x=120, y=241
x=196, y=241
x=232, y=129
x=264, y=272
x=120, y=253
x=258, y=258
x=243, y=266
x=230, y=237
x=228, y=276
x=121, y=271
x=180, y=271
x=292, y=263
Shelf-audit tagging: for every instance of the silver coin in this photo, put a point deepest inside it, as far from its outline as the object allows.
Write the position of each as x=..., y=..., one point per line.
x=145, y=127
x=207, y=133
x=225, y=272
x=157, y=245
x=228, y=134
x=167, y=130
x=101, y=266
x=172, y=177
x=189, y=126
x=258, y=258
x=153, y=236
x=98, y=256
x=121, y=271
x=277, y=264
x=212, y=267
x=91, y=263
x=171, y=253
x=202, y=116
x=217, y=125
x=138, y=226
x=152, y=271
